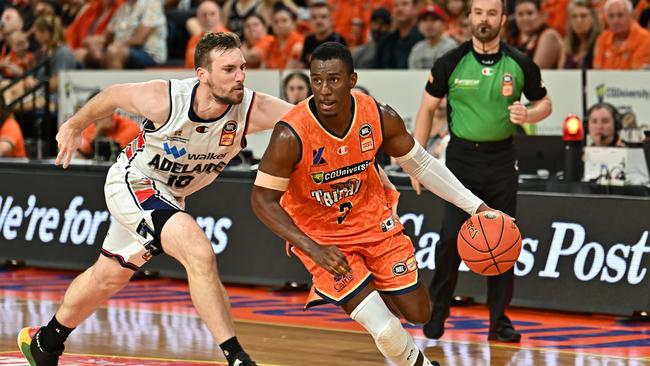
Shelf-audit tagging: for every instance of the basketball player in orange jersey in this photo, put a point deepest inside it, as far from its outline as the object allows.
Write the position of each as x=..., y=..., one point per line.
x=318, y=187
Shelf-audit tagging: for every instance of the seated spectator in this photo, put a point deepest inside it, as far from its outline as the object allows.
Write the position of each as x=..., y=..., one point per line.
x=464, y=31
x=350, y=14
x=296, y=87
x=364, y=55
x=456, y=14
x=393, y=51
x=138, y=35
x=256, y=41
x=12, y=144
x=583, y=30
x=115, y=127
x=70, y=9
x=209, y=18
x=265, y=9
x=47, y=7
x=287, y=42
x=555, y=14
x=197, y=27
x=48, y=32
x=535, y=38
x=603, y=125
x=86, y=34
x=435, y=44
x=19, y=58
x=12, y=21
x=234, y=13
x=320, y=17
x=625, y=45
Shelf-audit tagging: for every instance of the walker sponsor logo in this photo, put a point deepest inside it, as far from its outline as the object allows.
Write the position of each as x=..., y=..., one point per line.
x=27, y=221
x=604, y=92
x=324, y=177
x=208, y=156
x=592, y=261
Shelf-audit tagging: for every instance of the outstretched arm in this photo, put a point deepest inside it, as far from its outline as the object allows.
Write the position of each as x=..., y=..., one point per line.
x=149, y=99
x=267, y=110
x=434, y=175
x=272, y=180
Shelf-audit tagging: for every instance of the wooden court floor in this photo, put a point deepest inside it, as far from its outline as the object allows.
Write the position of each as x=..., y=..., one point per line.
x=152, y=322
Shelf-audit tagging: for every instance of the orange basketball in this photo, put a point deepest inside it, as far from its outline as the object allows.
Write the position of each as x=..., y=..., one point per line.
x=489, y=243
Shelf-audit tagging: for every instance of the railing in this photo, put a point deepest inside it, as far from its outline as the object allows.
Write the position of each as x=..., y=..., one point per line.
x=37, y=122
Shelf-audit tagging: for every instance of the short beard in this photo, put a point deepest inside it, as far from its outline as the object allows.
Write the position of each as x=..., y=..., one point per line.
x=223, y=99
x=489, y=36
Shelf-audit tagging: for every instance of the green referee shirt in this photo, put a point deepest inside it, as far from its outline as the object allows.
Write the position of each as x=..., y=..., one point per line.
x=480, y=88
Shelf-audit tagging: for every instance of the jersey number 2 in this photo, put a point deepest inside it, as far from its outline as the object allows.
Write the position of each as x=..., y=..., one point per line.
x=344, y=208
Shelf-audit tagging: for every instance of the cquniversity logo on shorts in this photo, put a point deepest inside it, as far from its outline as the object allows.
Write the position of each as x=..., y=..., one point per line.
x=173, y=150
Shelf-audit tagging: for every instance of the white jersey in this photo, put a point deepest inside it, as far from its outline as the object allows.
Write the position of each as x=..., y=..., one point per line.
x=187, y=153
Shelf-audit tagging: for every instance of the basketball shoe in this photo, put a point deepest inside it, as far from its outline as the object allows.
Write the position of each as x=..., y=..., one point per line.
x=243, y=359
x=30, y=348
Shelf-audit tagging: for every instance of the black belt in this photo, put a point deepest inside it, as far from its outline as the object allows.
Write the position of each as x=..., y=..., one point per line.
x=481, y=145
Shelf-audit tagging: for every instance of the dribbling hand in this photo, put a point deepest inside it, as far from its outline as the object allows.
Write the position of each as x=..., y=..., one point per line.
x=330, y=258
x=69, y=140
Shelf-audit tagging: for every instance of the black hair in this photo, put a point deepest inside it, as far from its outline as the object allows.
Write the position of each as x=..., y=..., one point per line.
x=255, y=15
x=616, y=115
x=536, y=3
x=333, y=51
x=279, y=6
x=300, y=76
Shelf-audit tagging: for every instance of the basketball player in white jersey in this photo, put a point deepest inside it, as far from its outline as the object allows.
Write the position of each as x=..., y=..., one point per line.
x=193, y=128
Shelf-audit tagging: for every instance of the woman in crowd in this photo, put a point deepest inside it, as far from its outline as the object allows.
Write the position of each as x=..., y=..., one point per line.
x=535, y=38
x=296, y=87
x=287, y=42
x=582, y=31
x=603, y=124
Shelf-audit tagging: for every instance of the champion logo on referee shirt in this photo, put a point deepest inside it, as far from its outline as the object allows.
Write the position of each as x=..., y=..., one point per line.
x=487, y=71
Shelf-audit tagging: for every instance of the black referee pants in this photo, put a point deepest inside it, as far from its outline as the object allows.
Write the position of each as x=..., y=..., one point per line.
x=488, y=170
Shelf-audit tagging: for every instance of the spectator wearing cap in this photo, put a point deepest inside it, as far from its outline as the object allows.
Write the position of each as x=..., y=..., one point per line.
x=431, y=23
x=364, y=55
x=393, y=51
x=625, y=45
x=320, y=17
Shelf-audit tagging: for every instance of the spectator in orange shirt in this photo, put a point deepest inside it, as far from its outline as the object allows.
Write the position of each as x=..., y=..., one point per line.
x=12, y=144
x=582, y=32
x=85, y=35
x=535, y=38
x=456, y=11
x=287, y=42
x=625, y=45
x=256, y=42
x=19, y=59
x=115, y=127
x=208, y=15
x=555, y=13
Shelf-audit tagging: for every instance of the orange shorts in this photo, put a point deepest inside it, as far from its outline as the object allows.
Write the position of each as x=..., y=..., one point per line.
x=390, y=264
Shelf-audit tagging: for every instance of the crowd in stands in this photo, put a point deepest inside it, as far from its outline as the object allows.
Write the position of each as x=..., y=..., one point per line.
x=282, y=34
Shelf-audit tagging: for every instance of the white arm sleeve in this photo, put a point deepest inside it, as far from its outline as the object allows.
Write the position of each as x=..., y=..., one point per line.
x=435, y=176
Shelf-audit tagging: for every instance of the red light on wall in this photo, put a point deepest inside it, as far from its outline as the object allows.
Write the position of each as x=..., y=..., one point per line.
x=572, y=128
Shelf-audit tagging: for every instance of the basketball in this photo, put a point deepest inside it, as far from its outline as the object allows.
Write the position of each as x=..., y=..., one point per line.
x=489, y=243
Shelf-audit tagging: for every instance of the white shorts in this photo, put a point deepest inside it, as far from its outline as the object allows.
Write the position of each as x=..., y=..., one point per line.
x=131, y=198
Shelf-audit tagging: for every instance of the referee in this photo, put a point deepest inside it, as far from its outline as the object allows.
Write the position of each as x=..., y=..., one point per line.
x=483, y=80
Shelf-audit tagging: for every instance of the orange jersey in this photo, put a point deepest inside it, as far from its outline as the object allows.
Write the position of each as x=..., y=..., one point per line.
x=335, y=194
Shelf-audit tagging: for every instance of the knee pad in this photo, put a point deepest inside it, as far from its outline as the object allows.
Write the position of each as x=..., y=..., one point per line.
x=393, y=339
